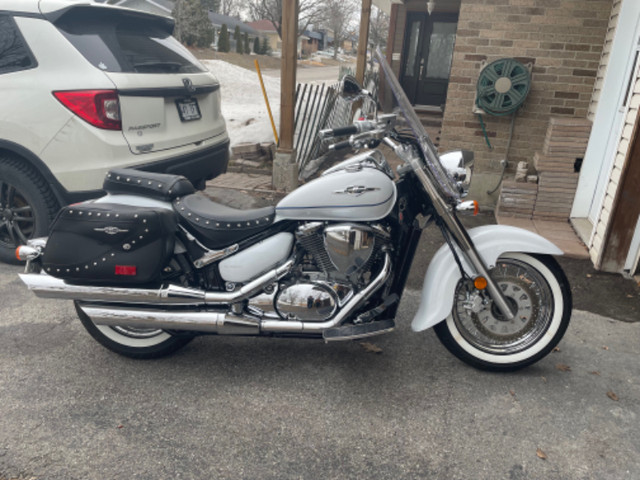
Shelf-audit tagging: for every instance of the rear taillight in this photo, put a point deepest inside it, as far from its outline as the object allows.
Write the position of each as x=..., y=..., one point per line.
x=101, y=108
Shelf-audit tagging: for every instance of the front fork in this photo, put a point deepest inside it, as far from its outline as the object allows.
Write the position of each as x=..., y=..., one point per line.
x=465, y=243
x=461, y=238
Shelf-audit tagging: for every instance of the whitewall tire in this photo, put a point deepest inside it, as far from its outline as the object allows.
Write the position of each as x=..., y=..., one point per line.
x=476, y=332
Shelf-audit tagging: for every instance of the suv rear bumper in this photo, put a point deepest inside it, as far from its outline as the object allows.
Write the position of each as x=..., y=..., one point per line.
x=198, y=167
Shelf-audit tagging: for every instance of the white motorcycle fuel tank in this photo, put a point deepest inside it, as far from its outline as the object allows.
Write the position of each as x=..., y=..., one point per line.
x=365, y=194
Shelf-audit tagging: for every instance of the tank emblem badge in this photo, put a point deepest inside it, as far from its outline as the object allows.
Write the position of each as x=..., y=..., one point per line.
x=356, y=190
x=111, y=230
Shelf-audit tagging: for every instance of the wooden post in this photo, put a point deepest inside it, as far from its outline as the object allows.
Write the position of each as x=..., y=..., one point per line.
x=363, y=40
x=288, y=74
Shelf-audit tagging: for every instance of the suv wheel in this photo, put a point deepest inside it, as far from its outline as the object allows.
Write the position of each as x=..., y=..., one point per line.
x=27, y=206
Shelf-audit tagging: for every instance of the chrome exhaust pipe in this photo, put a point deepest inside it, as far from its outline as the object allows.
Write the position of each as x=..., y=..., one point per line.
x=210, y=322
x=46, y=286
x=224, y=323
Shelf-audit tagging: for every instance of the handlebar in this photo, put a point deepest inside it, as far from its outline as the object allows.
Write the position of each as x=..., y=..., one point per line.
x=340, y=131
x=340, y=145
x=357, y=127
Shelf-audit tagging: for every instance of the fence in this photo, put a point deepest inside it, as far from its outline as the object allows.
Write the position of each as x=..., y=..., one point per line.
x=319, y=107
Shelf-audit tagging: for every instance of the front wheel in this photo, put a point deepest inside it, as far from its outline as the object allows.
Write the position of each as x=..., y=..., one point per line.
x=536, y=288
x=133, y=342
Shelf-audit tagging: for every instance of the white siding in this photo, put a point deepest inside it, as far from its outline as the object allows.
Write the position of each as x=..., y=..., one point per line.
x=597, y=242
x=604, y=59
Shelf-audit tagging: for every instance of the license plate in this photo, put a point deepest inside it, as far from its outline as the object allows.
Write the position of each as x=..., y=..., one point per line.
x=188, y=109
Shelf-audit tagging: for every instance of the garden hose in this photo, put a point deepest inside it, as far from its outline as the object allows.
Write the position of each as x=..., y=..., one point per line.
x=501, y=90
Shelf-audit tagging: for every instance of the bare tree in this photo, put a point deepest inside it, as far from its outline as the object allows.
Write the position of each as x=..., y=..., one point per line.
x=309, y=12
x=338, y=15
x=378, y=28
x=192, y=23
x=231, y=8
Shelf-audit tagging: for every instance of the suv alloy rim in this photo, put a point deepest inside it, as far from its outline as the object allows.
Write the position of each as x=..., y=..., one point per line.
x=16, y=216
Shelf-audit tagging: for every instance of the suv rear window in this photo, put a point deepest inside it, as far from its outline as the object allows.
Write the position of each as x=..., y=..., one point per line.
x=14, y=53
x=116, y=42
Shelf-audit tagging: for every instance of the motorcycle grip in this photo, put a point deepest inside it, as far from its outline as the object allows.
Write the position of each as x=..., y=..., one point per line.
x=340, y=145
x=340, y=131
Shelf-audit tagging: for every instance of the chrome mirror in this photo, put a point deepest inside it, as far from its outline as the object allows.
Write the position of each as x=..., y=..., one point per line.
x=459, y=166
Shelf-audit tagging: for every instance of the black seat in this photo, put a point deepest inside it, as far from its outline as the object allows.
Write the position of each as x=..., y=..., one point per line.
x=160, y=186
x=219, y=226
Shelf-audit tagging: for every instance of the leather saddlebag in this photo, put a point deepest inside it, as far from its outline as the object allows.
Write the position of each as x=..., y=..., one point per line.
x=110, y=244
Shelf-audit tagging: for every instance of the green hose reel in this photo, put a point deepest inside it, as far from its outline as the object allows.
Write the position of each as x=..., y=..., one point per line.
x=502, y=87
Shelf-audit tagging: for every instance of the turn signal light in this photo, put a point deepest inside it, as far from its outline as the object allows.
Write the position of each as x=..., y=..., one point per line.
x=100, y=108
x=25, y=252
x=480, y=283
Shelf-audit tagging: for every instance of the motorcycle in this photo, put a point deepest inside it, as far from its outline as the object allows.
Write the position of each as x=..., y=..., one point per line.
x=153, y=264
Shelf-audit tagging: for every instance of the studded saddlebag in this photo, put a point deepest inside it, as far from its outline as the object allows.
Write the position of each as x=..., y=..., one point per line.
x=110, y=244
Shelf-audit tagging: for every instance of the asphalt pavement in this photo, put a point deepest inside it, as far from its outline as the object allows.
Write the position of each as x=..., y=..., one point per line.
x=255, y=408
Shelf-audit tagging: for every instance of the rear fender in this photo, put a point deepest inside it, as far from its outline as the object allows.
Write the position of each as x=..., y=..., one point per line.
x=443, y=274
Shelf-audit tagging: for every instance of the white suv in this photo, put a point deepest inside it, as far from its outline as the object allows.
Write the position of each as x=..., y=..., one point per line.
x=86, y=87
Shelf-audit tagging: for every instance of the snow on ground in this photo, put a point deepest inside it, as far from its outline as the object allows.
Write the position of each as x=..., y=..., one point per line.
x=243, y=104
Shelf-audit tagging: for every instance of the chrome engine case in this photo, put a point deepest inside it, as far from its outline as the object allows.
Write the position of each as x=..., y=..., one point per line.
x=336, y=261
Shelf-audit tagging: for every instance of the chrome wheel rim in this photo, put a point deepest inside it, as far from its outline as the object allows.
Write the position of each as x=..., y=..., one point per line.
x=481, y=324
x=17, y=221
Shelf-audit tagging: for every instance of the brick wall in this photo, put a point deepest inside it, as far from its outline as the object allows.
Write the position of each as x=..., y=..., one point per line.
x=563, y=39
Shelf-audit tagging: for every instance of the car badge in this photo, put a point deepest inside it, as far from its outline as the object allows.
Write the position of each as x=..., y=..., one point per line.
x=111, y=230
x=188, y=85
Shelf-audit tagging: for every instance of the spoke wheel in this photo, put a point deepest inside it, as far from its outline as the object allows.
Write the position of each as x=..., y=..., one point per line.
x=536, y=289
x=27, y=206
x=526, y=292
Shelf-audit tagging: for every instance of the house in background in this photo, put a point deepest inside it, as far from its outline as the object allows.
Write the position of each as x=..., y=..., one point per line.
x=326, y=41
x=267, y=30
x=350, y=43
x=583, y=60
x=217, y=20
x=310, y=43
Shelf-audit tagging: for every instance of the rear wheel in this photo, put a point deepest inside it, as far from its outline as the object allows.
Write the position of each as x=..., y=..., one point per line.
x=478, y=334
x=27, y=206
x=133, y=342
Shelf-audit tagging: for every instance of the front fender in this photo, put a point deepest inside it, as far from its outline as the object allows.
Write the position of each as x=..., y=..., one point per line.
x=443, y=274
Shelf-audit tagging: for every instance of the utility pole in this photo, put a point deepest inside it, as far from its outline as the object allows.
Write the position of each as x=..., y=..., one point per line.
x=363, y=40
x=285, y=170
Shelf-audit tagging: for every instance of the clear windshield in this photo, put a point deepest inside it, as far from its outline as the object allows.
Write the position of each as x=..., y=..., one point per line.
x=429, y=153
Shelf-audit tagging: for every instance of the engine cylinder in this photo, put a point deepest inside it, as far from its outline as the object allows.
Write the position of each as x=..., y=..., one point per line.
x=349, y=247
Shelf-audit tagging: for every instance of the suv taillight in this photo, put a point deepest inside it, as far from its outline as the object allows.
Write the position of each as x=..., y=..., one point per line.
x=101, y=108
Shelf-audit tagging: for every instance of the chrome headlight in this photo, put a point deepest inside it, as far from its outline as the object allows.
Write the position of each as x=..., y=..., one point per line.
x=459, y=166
